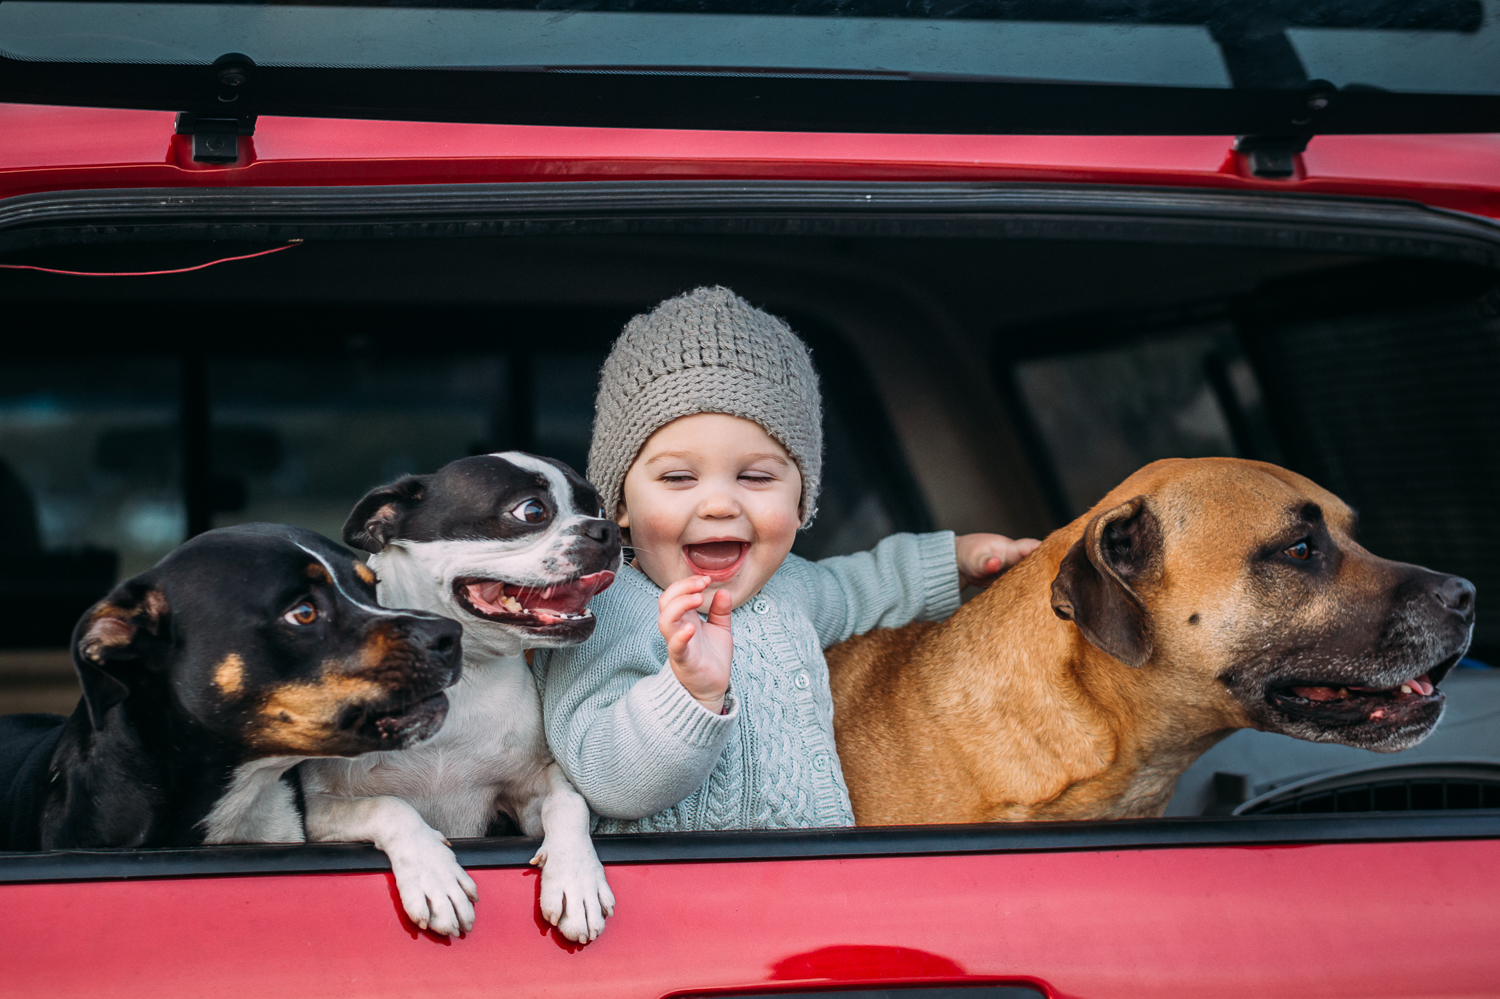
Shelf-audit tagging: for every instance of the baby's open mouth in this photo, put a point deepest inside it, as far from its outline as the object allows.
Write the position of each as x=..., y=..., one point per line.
x=715, y=557
x=513, y=603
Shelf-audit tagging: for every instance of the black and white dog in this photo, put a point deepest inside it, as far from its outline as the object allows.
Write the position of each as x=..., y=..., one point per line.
x=206, y=679
x=512, y=546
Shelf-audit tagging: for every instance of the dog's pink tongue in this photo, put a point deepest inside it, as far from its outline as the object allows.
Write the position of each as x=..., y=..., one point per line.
x=714, y=555
x=483, y=594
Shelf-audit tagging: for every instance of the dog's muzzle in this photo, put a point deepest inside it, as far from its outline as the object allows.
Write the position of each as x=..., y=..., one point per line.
x=516, y=604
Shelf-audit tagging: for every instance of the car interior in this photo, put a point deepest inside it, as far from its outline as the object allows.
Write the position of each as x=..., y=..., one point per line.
x=973, y=381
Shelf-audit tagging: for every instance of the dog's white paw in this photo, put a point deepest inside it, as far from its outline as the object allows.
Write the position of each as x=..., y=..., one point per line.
x=575, y=894
x=437, y=893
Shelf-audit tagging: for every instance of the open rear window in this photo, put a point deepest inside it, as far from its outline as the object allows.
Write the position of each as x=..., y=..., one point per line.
x=984, y=368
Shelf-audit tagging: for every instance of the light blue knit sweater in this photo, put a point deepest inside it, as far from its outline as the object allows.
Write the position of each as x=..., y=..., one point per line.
x=650, y=758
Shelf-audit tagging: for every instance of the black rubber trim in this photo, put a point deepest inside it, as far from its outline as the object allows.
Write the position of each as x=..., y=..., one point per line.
x=798, y=844
x=1297, y=222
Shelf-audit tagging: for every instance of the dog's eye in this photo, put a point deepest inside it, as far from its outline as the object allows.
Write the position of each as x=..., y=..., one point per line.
x=303, y=613
x=530, y=512
x=1300, y=550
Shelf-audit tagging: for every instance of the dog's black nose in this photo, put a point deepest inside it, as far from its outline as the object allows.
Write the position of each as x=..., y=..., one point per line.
x=1456, y=594
x=603, y=531
x=439, y=636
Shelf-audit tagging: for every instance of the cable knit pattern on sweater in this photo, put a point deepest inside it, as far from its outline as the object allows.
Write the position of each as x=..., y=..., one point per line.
x=649, y=758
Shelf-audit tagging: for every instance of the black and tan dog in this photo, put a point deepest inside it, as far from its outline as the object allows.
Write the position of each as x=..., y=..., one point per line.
x=1199, y=597
x=206, y=679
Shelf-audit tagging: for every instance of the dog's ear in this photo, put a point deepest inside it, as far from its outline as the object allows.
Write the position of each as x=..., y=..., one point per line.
x=377, y=518
x=1093, y=588
x=114, y=640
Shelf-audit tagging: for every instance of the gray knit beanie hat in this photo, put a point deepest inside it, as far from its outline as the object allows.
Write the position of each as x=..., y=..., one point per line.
x=708, y=351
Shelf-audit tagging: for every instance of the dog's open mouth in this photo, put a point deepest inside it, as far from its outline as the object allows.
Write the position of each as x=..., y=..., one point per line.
x=400, y=726
x=1351, y=704
x=531, y=606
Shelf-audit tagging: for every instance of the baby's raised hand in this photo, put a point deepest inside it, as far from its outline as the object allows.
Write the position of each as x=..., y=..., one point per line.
x=983, y=557
x=699, y=651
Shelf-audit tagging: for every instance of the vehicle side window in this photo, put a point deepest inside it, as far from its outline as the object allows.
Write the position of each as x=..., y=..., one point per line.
x=90, y=490
x=1391, y=407
x=1096, y=415
x=98, y=479
x=1405, y=424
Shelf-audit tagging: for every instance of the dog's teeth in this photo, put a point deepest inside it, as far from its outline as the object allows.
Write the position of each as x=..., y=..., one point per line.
x=547, y=593
x=1406, y=688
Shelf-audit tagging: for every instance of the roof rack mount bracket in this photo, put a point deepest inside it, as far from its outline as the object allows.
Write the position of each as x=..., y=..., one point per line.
x=1271, y=157
x=215, y=140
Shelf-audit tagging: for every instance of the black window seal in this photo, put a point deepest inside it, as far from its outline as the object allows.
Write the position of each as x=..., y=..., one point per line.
x=1345, y=225
x=775, y=845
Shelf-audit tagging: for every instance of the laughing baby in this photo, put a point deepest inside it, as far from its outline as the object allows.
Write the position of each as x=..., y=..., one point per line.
x=702, y=701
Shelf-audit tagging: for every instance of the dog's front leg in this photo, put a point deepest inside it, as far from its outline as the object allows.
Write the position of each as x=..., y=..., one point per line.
x=436, y=892
x=575, y=894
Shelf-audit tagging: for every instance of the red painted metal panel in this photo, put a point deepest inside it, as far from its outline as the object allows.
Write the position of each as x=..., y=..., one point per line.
x=1365, y=920
x=46, y=149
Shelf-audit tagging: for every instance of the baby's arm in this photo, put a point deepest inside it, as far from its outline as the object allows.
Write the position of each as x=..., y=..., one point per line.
x=905, y=578
x=626, y=731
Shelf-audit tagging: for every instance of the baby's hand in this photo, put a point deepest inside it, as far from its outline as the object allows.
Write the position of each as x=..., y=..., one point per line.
x=699, y=651
x=983, y=557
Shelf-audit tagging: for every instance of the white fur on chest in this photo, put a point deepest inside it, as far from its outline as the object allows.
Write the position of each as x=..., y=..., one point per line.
x=257, y=807
x=492, y=741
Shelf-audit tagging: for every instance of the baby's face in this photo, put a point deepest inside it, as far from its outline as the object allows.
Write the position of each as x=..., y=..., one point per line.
x=712, y=495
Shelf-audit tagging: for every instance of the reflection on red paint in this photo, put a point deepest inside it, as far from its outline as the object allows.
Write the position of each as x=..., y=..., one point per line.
x=862, y=962
x=412, y=929
x=545, y=928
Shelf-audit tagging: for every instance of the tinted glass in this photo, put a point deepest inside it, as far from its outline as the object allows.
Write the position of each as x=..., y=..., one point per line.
x=90, y=482
x=299, y=441
x=1442, y=47
x=1101, y=415
x=97, y=480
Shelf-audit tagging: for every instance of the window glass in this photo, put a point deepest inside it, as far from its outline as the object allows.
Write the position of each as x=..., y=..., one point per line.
x=1397, y=412
x=95, y=469
x=1448, y=47
x=90, y=481
x=299, y=441
x=564, y=386
x=90, y=489
x=1102, y=414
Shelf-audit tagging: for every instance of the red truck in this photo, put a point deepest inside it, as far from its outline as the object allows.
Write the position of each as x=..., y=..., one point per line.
x=1032, y=246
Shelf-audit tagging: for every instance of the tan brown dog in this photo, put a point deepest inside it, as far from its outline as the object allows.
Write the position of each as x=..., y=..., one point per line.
x=1199, y=597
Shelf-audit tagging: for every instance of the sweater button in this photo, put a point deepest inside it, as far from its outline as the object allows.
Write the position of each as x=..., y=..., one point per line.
x=803, y=681
x=820, y=763
x=760, y=605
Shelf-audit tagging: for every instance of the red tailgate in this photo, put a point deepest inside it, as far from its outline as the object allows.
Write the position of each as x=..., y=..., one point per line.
x=1352, y=919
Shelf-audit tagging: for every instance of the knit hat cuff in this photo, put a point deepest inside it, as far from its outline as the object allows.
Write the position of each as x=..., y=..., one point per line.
x=703, y=390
